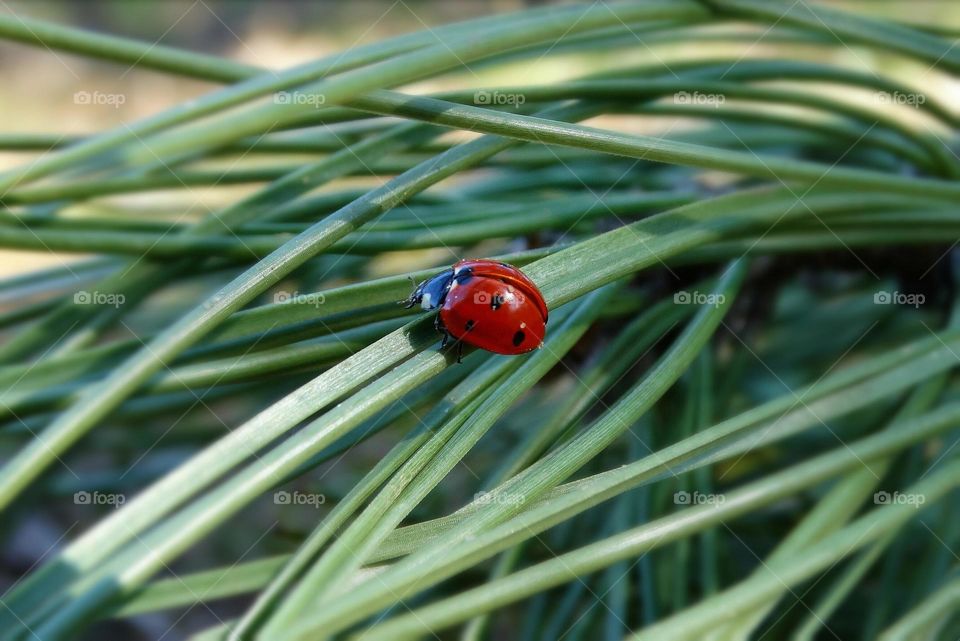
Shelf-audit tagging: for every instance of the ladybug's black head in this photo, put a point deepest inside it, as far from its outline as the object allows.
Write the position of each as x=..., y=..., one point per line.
x=431, y=293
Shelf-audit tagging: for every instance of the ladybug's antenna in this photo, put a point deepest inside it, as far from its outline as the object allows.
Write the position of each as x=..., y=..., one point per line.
x=412, y=299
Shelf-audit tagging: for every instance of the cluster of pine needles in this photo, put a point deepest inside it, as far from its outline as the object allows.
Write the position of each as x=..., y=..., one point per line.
x=742, y=423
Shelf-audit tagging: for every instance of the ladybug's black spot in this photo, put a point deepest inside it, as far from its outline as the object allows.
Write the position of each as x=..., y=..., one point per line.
x=518, y=338
x=469, y=325
x=496, y=301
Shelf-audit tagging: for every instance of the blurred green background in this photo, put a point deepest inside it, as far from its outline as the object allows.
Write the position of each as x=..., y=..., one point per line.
x=40, y=86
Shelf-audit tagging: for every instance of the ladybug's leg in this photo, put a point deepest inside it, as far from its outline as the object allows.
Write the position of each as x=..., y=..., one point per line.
x=438, y=325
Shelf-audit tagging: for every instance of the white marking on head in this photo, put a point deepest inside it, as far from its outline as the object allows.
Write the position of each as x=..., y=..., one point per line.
x=425, y=301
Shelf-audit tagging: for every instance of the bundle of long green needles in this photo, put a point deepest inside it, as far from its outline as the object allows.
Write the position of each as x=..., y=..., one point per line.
x=742, y=423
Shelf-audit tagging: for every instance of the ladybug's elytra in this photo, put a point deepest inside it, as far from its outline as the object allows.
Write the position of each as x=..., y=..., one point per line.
x=487, y=304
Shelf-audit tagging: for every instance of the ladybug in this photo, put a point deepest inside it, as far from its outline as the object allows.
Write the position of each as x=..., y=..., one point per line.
x=487, y=304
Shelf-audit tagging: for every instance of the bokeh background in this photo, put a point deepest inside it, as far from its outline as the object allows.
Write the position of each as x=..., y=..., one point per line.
x=40, y=86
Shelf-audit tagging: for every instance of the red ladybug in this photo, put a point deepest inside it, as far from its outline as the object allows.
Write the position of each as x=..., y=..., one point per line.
x=487, y=304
